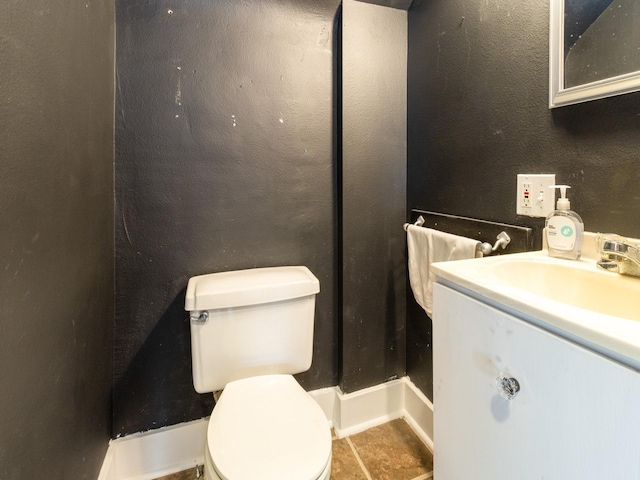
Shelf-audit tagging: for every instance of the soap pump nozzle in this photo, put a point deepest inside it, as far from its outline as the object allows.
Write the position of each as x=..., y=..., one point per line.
x=563, y=201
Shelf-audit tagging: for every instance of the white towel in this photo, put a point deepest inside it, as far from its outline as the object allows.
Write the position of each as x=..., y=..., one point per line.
x=427, y=246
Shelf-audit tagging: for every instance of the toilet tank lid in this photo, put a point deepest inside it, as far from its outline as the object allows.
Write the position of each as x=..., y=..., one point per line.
x=249, y=287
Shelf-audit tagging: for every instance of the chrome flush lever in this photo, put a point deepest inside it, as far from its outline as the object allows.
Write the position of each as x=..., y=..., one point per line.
x=199, y=317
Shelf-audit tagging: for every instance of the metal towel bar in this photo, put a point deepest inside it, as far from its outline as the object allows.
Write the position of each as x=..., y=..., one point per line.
x=502, y=240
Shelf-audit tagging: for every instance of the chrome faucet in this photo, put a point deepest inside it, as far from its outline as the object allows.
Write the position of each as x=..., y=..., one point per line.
x=618, y=254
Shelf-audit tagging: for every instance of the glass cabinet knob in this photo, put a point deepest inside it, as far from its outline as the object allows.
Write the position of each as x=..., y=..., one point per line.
x=508, y=386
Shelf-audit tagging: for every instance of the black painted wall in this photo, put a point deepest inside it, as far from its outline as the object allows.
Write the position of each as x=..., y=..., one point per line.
x=478, y=116
x=373, y=180
x=226, y=159
x=56, y=241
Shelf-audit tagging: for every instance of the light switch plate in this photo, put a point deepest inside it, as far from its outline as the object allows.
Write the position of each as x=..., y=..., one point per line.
x=534, y=197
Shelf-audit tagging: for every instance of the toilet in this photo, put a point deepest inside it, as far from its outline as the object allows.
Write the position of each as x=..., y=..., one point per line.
x=251, y=330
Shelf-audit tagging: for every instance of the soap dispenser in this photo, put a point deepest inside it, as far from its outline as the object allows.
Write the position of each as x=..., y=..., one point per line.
x=565, y=229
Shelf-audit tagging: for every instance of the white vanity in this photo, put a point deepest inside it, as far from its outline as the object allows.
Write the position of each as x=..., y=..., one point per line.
x=536, y=370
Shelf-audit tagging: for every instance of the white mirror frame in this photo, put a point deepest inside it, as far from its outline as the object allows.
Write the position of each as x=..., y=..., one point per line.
x=558, y=95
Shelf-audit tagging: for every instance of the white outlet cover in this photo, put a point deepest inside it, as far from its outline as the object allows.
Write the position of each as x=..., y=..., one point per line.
x=542, y=198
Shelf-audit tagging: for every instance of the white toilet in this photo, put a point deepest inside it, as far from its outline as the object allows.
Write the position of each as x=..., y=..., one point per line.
x=251, y=330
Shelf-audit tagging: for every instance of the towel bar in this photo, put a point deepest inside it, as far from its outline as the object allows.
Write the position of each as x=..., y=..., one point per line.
x=418, y=223
x=502, y=240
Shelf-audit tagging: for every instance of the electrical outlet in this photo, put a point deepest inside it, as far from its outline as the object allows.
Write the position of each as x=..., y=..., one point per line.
x=525, y=199
x=534, y=197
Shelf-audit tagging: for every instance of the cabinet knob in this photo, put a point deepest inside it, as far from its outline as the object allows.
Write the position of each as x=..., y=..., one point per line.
x=508, y=387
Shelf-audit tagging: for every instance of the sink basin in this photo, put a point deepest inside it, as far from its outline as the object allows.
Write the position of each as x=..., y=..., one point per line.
x=590, y=289
x=573, y=299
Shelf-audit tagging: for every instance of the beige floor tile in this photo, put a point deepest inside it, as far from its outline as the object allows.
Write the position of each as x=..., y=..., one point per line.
x=344, y=465
x=392, y=451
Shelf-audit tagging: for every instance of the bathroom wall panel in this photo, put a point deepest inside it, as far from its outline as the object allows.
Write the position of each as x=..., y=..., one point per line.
x=373, y=194
x=478, y=116
x=226, y=159
x=56, y=240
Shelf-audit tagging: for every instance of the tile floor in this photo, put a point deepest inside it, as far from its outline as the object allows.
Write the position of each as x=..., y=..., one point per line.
x=391, y=451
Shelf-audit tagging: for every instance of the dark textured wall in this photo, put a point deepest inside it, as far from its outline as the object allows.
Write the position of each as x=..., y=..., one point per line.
x=374, y=190
x=56, y=241
x=226, y=159
x=478, y=116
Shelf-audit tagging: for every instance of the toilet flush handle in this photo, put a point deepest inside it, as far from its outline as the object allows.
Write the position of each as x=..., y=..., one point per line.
x=199, y=317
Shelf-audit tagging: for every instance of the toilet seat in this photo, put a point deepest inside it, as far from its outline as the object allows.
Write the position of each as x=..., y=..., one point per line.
x=268, y=428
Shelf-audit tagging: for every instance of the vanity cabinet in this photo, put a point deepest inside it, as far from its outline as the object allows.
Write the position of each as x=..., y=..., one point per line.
x=575, y=417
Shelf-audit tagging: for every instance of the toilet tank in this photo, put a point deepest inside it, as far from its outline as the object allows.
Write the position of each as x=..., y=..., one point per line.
x=258, y=321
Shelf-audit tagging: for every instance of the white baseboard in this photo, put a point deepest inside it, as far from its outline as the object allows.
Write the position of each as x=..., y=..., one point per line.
x=147, y=455
x=358, y=411
x=369, y=407
x=419, y=412
x=143, y=456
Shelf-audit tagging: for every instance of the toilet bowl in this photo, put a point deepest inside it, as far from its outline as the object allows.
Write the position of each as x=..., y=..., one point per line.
x=267, y=428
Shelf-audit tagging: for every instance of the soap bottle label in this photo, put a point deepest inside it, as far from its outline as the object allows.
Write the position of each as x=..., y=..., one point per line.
x=561, y=233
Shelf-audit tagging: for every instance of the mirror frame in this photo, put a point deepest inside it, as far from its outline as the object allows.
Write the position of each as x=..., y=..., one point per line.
x=560, y=96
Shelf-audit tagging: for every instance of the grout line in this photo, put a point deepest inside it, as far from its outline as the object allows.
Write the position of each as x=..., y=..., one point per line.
x=424, y=476
x=353, y=449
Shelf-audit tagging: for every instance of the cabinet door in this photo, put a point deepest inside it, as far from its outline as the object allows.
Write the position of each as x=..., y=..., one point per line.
x=576, y=416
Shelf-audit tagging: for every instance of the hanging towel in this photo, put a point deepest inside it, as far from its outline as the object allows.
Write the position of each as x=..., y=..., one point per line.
x=427, y=246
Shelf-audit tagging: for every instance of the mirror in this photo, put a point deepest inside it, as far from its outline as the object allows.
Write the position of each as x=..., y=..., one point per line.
x=594, y=50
